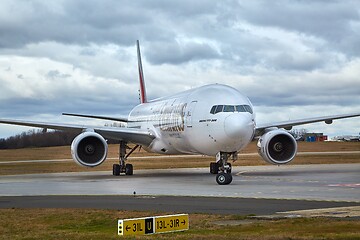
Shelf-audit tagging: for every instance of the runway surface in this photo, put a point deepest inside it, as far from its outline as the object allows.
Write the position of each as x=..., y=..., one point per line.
x=254, y=190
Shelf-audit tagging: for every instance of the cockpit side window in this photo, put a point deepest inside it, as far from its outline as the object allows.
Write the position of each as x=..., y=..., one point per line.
x=212, y=111
x=219, y=108
x=248, y=109
x=240, y=108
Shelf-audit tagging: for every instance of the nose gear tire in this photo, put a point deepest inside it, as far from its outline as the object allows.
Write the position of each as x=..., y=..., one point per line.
x=223, y=178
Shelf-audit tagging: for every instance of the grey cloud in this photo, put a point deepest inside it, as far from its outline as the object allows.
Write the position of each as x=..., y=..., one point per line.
x=177, y=53
x=53, y=74
x=324, y=18
x=21, y=108
x=78, y=22
x=293, y=91
x=299, y=99
x=184, y=8
x=86, y=22
x=329, y=20
x=87, y=52
x=297, y=61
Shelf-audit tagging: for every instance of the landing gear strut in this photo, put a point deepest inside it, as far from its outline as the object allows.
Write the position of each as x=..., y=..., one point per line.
x=122, y=167
x=222, y=168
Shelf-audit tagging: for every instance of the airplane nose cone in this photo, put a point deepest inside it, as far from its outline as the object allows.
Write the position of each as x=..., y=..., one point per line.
x=238, y=126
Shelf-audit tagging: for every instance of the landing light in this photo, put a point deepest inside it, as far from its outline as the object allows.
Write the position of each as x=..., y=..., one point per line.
x=329, y=121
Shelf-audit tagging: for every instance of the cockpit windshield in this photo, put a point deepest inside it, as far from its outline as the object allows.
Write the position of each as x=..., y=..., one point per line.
x=231, y=108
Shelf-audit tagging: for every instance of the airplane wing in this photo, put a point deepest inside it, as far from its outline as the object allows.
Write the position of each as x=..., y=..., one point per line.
x=260, y=128
x=137, y=136
x=119, y=119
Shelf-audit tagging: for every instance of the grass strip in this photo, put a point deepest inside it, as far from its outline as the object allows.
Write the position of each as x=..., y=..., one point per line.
x=102, y=224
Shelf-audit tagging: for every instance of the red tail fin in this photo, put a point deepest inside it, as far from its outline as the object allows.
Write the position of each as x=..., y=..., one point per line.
x=143, y=98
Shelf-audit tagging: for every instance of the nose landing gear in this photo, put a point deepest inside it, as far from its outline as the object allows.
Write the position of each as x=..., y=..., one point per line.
x=122, y=167
x=222, y=168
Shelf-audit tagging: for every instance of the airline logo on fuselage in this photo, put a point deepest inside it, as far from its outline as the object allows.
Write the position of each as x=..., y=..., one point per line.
x=172, y=118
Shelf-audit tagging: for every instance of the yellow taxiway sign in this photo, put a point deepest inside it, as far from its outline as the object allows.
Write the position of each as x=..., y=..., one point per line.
x=151, y=225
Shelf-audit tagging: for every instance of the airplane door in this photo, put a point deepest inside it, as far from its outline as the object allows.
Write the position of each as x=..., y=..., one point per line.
x=189, y=113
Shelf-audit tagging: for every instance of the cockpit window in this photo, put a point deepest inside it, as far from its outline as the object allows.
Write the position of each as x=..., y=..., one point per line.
x=230, y=108
x=240, y=108
x=219, y=108
x=248, y=109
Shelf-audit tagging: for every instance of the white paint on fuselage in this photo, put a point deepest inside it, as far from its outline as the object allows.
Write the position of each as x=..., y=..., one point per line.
x=183, y=123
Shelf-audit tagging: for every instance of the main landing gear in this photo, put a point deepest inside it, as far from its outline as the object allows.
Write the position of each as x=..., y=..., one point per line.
x=222, y=168
x=122, y=167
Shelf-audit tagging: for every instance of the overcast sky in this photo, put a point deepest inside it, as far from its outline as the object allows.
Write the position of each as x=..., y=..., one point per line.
x=293, y=59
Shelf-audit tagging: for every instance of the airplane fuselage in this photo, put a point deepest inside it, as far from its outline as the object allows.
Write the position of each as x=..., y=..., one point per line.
x=205, y=120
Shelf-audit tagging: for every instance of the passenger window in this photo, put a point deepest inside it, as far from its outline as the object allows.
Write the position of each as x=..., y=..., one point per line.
x=213, y=109
x=228, y=108
x=219, y=108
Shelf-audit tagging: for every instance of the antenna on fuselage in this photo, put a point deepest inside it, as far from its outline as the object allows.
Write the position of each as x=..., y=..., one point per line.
x=142, y=91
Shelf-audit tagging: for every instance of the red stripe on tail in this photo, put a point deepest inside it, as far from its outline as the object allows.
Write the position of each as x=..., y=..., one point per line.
x=143, y=98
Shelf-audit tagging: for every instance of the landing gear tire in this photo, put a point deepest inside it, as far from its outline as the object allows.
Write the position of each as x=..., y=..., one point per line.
x=128, y=169
x=223, y=178
x=116, y=169
x=214, y=168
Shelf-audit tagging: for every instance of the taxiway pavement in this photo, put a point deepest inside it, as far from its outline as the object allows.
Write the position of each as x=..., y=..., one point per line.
x=254, y=190
x=335, y=182
x=179, y=204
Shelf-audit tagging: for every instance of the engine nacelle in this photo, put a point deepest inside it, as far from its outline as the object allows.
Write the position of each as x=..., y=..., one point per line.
x=277, y=147
x=89, y=149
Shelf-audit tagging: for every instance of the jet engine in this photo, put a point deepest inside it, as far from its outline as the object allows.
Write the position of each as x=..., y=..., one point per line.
x=89, y=149
x=277, y=147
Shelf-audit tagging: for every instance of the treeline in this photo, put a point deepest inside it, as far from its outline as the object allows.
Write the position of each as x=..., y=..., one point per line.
x=37, y=138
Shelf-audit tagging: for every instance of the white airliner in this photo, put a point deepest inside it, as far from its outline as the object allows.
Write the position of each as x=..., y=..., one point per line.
x=214, y=120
